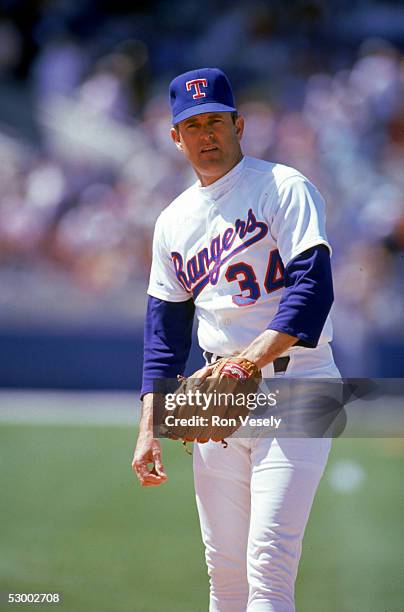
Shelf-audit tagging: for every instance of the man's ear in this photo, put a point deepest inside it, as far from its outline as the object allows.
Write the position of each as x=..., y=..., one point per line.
x=176, y=138
x=239, y=123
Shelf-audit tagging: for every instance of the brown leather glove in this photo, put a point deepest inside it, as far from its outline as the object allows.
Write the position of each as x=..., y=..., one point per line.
x=211, y=409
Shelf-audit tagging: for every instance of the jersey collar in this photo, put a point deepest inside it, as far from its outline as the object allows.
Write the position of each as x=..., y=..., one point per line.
x=223, y=185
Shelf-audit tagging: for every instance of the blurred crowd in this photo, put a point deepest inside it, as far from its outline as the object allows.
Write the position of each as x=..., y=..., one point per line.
x=87, y=163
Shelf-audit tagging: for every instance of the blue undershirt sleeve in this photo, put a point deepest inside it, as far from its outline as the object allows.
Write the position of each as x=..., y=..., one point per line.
x=307, y=297
x=167, y=340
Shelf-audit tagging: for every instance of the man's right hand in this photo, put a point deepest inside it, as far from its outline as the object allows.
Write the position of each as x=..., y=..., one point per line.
x=147, y=463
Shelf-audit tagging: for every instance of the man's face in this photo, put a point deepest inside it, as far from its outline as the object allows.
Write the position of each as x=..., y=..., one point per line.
x=211, y=143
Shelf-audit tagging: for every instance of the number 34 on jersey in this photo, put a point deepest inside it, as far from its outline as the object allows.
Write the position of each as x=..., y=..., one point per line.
x=203, y=268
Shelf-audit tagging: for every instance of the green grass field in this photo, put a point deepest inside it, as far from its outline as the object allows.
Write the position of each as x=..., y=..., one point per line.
x=73, y=519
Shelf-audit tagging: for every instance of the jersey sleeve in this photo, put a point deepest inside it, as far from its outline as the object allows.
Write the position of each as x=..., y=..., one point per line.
x=299, y=218
x=307, y=297
x=167, y=340
x=163, y=283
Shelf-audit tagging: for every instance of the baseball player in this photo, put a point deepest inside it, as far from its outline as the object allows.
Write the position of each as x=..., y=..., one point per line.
x=245, y=249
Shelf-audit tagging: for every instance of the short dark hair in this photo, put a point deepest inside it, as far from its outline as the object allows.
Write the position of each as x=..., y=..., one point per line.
x=233, y=114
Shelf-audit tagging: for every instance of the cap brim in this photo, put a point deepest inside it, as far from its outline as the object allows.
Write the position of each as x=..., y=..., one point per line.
x=208, y=107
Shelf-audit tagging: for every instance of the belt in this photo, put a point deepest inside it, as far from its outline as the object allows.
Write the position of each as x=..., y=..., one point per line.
x=280, y=364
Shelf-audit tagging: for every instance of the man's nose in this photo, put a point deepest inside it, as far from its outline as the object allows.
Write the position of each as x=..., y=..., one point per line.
x=206, y=132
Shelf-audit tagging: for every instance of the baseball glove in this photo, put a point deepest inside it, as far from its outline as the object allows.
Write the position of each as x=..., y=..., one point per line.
x=213, y=408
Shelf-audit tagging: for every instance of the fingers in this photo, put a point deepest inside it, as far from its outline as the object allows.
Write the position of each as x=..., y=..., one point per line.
x=140, y=469
x=158, y=465
x=147, y=476
x=201, y=375
x=153, y=479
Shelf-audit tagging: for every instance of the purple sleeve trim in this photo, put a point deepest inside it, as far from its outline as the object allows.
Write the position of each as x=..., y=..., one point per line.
x=307, y=297
x=167, y=340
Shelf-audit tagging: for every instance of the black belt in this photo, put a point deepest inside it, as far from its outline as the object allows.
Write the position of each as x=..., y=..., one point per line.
x=280, y=364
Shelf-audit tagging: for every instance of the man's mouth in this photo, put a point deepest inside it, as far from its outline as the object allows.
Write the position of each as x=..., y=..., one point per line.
x=209, y=149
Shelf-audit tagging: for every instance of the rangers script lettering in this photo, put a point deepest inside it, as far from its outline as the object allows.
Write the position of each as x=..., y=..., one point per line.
x=197, y=266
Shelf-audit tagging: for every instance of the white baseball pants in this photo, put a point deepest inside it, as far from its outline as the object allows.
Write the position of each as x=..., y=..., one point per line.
x=254, y=498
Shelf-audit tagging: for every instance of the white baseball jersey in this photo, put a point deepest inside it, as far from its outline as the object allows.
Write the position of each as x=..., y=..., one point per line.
x=226, y=245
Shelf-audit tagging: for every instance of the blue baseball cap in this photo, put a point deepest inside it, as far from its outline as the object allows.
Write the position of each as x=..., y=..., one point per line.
x=206, y=90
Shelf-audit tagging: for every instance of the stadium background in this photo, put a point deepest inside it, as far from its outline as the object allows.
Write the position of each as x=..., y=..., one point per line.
x=86, y=165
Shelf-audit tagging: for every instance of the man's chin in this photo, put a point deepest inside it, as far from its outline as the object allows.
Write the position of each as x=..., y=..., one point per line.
x=214, y=154
x=213, y=160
